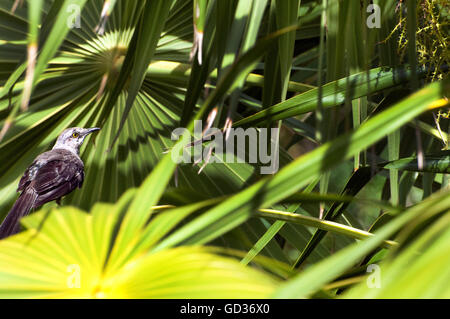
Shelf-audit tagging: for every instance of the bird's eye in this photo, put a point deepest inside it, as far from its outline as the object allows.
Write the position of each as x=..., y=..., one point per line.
x=75, y=134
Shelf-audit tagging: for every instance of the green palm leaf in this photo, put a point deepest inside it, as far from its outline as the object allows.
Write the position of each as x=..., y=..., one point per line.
x=76, y=262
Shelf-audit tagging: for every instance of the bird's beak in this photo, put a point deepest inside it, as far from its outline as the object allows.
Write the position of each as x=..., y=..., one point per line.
x=91, y=130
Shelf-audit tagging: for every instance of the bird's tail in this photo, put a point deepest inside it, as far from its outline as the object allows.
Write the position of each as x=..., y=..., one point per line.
x=21, y=208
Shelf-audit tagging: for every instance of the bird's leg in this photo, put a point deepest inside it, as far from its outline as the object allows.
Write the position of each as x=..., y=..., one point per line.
x=58, y=201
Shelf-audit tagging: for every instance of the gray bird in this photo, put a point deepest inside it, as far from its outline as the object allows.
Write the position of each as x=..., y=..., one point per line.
x=51, y=176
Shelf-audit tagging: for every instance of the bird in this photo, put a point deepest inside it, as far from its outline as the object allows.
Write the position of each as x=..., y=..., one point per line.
x=52, y=175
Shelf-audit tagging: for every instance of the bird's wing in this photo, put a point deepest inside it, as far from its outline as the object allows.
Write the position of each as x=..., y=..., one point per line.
x=57, y=177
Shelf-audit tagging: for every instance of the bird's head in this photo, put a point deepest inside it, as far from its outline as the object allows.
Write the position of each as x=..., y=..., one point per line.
x=72, y=138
